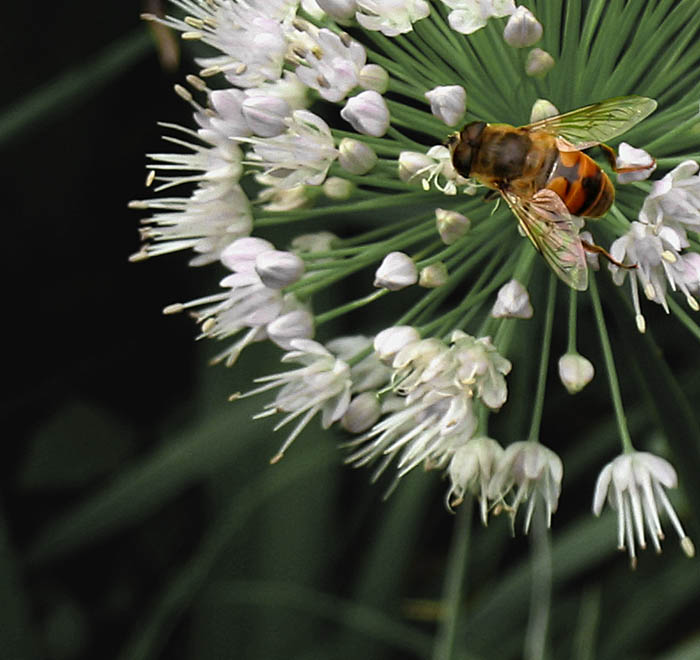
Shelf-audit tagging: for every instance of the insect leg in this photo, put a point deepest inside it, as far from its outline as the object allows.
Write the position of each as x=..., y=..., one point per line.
x=596, y=249
x=611, y=156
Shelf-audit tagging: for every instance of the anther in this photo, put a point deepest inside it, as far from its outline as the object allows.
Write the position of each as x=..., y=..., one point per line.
x=192, y=36
x=175, y=308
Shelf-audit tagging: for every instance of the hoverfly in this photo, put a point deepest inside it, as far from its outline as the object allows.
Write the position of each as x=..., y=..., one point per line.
x=545, y=178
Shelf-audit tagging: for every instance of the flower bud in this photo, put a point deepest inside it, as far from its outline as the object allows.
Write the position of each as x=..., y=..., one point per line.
x=512, y=302
x=448, y=103
x=631, y=157
x=542, y=109
x=451, y=225
x=538, y=63
x=278, y=269
x=356, y=157
x=336, y=187
x=266, y=114
x=433, y=276
x=340, y=10
x=373, y=76
x=362, y=413
x=229, y=117
x=412, y=163
x=396, y=272
x=367, y=113
x=390, y=341
x=522, y=29
x=240, y=256
x=575, y=372
x=297, y=324
x=317, y=242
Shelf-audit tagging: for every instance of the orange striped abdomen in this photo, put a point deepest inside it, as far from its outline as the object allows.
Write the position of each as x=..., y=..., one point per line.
x=583, y=186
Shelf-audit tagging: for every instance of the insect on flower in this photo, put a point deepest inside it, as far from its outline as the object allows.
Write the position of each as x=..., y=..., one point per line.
x=541, y=172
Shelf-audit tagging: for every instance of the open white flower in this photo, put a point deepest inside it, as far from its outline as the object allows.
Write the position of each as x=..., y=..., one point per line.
x=536, y=473
x=634, y=486
x=468, y=16
x=391, y=17
x=322, y=384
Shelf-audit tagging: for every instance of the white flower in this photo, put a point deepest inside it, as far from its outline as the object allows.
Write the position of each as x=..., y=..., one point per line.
x=535, y=471
x=522, y=29
x=390, y=341
x=251, y=40
x=316, y=242
x=322, y=384
x=438, y=385
x=429, y=167
x=575, y=372
x=468, y=16
x=362, y=413
x=448, y=103
x=655, y=251
x=512, y=302
x=367, y=113
x=538, y=63
x=396, y=271
x=367, y=374
x=241, y=255
x=342, y=10
x=302, y=154
x=542, y=109
x=628, y=156
x=634, y=486
x=471, y=469
x=391, y=17
x=289, y=88
x=451, y=225
x=675, y=199
x=331, y=64
x=433, y=276
x=266, y=114
x=278, y=268
x=356, y=157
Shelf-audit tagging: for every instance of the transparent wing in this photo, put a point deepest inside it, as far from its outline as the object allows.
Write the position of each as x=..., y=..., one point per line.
x=599, y=122
x=555, y=235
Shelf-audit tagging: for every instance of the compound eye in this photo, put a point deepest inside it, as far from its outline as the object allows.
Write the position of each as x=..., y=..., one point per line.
x=462, y=158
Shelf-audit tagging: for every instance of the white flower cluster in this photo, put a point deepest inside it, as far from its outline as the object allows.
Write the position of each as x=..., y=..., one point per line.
x=655, y=242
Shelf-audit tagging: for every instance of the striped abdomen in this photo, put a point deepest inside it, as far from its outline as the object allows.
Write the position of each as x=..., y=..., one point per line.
x=583, y=186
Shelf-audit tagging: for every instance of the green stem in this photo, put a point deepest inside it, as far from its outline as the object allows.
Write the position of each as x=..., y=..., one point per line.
x=541, y=591
x=612, y=371
x=572, y=321
x=534, y=434
x=444, y=648
x=350, y=307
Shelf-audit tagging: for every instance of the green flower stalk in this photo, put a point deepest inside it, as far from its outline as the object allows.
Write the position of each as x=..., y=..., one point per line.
x=334, y=122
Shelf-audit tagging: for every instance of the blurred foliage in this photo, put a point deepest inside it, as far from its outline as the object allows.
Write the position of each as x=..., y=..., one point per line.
x=140, y=518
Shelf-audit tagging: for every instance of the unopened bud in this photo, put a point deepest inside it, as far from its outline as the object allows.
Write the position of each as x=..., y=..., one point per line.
x=367, y=113
x=362, y=413
x=317, y=242
x=542, y=109
x=340, y=10
x=278, y=269
x=575, y=372
x=538, y=63
x=266, y=114
x=335, y=187
x=522, y=29
x=512, y=302
x=451, y=225
x=433, y=276
x=356, y=157
x=397, y=271
x=390, y=341
x=448, y=103
x=375, y=77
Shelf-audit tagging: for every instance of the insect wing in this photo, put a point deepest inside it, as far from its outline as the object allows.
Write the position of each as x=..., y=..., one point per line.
x=555, y=235
x=600, y=122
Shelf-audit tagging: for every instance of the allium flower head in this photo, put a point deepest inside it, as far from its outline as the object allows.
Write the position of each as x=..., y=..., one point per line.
x=366, y=169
